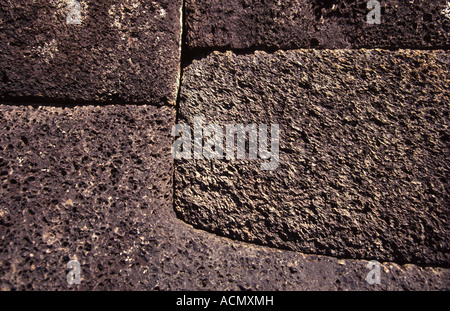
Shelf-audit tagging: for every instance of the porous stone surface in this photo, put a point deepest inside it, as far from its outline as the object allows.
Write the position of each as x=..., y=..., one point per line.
x=290, y=24
x=364, y=152
x=95, y=184
x=80, y=183
x=122, y=51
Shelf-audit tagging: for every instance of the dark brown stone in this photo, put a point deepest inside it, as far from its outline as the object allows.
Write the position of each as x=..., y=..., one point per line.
x=363, y=170
x=291, y=24
x=95, y=184
x=80, y=183
x=123, y=51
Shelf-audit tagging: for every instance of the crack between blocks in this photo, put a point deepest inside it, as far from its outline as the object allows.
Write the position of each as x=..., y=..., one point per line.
x=286, y=249
x=199, y=53
x=72, y=103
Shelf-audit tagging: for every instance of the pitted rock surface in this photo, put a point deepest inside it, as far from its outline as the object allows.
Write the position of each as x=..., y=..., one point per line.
x=95, y=184
x=293, y=24
x=364, y=152
x=122, y=51
x=86, y=171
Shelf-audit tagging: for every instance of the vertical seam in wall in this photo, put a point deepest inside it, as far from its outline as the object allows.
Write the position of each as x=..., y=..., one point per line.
x=180, y=59
x=177, y=99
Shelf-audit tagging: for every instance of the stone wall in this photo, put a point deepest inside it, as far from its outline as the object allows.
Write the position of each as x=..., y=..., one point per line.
x=89, y=99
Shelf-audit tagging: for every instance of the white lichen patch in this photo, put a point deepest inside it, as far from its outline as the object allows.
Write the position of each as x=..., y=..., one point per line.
x=122, y=13
x=46, y=51
x=159, y=9
x=3, y=211
x=113, y=12
x=57, y=3
x=446, y=10
x=119, y=15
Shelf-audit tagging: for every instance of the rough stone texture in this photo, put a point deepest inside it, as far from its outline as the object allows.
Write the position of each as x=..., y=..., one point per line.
x=95, y=184
x=241, y=24
x=364, y=152
x=123, y=51
x=80, y=183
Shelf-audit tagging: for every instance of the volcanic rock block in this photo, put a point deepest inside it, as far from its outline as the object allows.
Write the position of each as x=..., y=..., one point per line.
x=241, y=24
x=95, y=184
x=79, y=183
x=120, y=51
x=364, y=152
